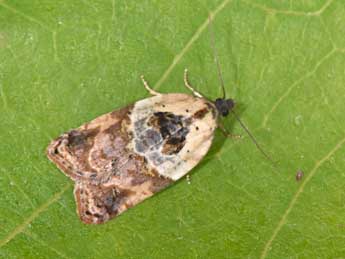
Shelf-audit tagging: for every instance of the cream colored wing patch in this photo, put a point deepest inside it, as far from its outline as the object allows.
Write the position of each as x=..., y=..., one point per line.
x=173, y=132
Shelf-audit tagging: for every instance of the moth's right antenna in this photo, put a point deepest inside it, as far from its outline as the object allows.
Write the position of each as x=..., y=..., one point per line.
x=216, y=56
x=253, y=138
x=224, y=94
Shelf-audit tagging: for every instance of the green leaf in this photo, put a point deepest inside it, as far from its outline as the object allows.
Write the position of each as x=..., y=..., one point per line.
x=63, y=63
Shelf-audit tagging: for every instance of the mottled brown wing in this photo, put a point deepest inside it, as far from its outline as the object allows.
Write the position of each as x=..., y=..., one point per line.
x=98, y=203
x=109, y=177
x=91, y=151
x=123, y=157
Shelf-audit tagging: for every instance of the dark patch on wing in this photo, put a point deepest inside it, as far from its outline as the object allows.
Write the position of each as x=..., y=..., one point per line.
x=200, y=114
x=122, y=113
x=176, y=142
x=161, y=129
x=133, y=183
x=113, y=129
x=147, y=139
x=173, y=129
x=104, y=199
x=81, y=139
x=167, y=123
x=72, y=151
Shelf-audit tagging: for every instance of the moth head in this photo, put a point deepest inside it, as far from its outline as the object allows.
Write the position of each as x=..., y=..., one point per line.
x=224, y=106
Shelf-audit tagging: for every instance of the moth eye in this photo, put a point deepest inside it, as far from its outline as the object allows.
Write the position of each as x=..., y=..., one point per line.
x=187, y=151
x=187, y=110
x=197, y=128
x=163, y=105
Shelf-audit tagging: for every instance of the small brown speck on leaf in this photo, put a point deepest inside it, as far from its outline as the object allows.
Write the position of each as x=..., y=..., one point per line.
x=299, y=175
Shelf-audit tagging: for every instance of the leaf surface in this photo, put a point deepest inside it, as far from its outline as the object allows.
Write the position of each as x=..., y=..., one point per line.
x=63, y=63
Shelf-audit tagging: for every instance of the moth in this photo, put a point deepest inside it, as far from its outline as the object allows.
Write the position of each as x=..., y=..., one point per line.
x=123, y=157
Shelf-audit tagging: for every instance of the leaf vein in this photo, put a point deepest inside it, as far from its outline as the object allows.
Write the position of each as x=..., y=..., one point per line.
x=3, y=97
x=40, y=241
x=195, y=36
x=283, y=219
x=20, y=228
x=27, y=17
x=56, y=55
x=289, y=12
x=293, y=85
x=20, y=189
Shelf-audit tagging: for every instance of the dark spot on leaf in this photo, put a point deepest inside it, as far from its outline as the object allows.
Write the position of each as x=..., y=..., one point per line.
x=299, y=175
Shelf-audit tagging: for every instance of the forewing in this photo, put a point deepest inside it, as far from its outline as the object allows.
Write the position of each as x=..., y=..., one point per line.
x=173, y=132
x=97, y=203
x=89, y=152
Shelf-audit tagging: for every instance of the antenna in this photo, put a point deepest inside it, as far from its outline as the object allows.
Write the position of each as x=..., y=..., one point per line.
x=212, y=39
x=253, y=138
x=216, y=56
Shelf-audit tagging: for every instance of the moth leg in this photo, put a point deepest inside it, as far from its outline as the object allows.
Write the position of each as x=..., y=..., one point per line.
x=188, y=179
x=148, y=88
x=186, y=83
x=226, y=133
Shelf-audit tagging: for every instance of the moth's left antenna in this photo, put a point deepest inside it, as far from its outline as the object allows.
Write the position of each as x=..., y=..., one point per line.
x=213, y=45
